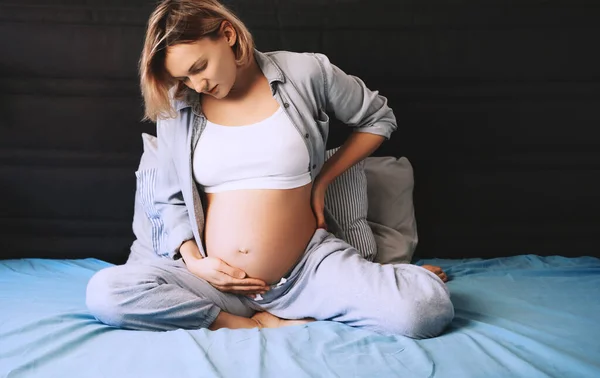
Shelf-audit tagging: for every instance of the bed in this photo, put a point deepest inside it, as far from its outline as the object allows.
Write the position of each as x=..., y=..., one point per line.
x=497, y=108
x=522, y=316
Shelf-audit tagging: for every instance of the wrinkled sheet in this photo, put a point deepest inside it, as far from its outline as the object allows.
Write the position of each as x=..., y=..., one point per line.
x=525, y=316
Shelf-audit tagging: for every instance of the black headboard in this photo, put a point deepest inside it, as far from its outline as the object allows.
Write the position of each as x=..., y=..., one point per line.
x=498, y=109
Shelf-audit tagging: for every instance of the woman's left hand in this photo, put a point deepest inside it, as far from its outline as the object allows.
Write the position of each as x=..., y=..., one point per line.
x=318, y=203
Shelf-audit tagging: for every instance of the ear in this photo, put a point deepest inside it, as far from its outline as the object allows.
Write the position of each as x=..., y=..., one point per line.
x=228, y=32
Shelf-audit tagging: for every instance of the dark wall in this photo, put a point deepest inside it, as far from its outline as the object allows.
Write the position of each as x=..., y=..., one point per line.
x=497, y=105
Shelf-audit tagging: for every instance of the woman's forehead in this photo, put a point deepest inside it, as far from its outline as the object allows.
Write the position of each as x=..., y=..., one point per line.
x=181, y=57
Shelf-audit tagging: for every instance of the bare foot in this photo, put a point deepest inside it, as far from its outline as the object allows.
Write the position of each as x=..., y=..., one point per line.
x=437, y=271
x=268, y=320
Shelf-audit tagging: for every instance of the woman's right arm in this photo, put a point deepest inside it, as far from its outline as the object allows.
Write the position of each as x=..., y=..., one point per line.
x=168, y=198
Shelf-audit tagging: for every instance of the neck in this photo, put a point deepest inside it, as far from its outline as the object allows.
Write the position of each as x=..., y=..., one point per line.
x=246, y=78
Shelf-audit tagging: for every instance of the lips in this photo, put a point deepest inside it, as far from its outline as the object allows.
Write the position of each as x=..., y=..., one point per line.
x=212, y=91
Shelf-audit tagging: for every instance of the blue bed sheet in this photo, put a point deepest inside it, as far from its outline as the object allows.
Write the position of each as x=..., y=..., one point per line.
x=522, y=316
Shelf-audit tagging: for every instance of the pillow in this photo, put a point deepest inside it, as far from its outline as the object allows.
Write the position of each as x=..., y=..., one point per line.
x=391, y=213
x=346, y=200
x=147, y=224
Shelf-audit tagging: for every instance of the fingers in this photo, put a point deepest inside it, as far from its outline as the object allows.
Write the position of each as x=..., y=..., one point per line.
x=242, y=290
x=228, y=284
x=321, y=221
x=230, y=271
x=318, y=205
x=234, y=276
x=245, y=282
x=227, y=281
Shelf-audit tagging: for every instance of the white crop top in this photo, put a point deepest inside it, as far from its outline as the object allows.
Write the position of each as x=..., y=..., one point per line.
x=269, y=154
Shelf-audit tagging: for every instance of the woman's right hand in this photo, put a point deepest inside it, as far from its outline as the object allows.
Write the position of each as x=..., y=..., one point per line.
x=225, y=277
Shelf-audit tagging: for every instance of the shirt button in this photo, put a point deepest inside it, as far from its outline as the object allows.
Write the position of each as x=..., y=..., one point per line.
x=286, y=105
x=314, y=166
x=306, y=135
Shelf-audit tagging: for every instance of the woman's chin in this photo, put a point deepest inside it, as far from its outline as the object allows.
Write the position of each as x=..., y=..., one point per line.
x=219, y=93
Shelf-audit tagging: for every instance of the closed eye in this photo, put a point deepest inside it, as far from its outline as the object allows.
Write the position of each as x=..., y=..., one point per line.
x=199, y=69
x=193, y=71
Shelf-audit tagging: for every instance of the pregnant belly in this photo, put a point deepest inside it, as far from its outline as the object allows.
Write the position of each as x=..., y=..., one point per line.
x=263, y=232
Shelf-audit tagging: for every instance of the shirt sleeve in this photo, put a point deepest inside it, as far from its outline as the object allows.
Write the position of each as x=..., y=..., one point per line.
x=353, y=103
x=168, y=198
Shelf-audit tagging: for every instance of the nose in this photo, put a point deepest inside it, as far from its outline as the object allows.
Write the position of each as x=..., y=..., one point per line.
x=198, y=84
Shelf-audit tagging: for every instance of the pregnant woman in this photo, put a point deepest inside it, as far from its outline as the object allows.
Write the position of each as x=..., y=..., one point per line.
x=241, y=189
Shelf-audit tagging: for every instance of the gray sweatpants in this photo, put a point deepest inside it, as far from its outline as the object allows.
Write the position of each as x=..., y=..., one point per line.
x=332, y=281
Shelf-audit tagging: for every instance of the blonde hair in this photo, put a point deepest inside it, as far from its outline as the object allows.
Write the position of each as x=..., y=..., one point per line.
x=175, y=22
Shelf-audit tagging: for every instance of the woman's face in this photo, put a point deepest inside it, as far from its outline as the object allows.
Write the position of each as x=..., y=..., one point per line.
x=206, y=66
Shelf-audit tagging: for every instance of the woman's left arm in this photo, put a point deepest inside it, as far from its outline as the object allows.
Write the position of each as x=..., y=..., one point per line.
x=357, y=106
x=358, y=146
